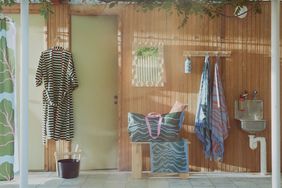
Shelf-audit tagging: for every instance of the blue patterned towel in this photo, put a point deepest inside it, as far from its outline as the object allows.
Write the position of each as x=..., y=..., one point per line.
x=202, y=121
x=167, y=157
x=219, y=116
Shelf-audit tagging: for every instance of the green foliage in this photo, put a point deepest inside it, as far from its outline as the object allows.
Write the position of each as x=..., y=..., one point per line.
x=7, y=172
x=6, y=3
x=7, y=68
x=46, y=8
x=184, y=8
x=6, y=127
x=147, y=52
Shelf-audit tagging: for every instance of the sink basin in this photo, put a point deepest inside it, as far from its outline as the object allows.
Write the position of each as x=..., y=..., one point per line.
x=250, y=115
x=253, y=126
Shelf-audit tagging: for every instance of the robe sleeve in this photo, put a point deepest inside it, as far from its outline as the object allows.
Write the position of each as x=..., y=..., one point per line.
x=39, y=72
x=72, y=74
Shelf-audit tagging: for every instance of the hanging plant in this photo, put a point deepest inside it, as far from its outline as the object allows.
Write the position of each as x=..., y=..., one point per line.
x=184, y=8
x=6, y=3
x=147, y=52
x=46, y=8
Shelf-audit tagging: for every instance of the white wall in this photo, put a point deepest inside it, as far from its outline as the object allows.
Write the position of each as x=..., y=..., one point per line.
x=37, y=45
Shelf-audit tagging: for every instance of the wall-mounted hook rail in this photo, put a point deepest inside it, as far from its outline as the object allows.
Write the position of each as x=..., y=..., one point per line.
x=209, y=53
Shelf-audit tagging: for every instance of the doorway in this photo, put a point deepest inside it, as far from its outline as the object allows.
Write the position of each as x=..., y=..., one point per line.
x=94, y=49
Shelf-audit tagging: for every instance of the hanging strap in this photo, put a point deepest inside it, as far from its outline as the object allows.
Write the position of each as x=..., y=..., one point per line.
x=154, y=115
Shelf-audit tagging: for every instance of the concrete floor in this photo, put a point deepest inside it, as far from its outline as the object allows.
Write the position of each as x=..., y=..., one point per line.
x=114, y=179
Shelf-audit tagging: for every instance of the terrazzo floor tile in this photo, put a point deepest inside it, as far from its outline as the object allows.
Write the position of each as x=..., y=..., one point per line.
x=180, y=184
x=161, y=183
x=224, y=185
x=137, y=184
x=200, y=182
x=112, y=184
x=114, y=179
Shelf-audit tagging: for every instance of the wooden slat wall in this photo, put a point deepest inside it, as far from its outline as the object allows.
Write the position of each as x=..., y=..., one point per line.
x=58, y=27
x=58, y=34
x=248, y=68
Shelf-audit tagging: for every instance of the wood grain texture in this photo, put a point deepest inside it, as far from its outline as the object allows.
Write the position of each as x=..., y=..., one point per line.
x=15, y=9
x=248, y=68
x=58, y=34
x=58, y=27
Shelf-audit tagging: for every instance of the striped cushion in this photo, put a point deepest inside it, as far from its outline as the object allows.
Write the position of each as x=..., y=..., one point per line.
x=170, y=127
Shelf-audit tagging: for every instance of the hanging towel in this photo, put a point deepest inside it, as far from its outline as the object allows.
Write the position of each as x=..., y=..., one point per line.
x=202, y=123
x=219, y=116
x=167, y=157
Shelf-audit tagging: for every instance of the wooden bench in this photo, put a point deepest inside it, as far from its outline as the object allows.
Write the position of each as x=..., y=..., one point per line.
x=137, y=161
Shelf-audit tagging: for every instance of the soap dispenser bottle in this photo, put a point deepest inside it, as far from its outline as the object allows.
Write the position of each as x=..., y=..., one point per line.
x=241, y=102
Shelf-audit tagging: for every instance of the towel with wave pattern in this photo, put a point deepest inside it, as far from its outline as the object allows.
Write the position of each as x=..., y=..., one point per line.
x=170, y=127
x=169, y=157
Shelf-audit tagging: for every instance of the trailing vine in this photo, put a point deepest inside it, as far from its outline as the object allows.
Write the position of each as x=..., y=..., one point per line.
x=45, y=8
x=6, y=3
x=185, y=8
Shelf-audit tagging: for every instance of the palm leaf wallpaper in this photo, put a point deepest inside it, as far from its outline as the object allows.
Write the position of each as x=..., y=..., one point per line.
x=7, y=97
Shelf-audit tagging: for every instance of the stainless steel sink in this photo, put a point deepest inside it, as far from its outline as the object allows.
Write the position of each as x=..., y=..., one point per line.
x=253, y=126
x=250, y=114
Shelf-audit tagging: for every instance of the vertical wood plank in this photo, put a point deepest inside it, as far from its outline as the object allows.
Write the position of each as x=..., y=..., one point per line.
x=247, y=68
x=136, y=160
x=243, y=70
x=58, y=33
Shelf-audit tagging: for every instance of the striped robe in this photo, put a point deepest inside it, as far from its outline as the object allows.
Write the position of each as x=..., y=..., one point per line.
x=56, y=69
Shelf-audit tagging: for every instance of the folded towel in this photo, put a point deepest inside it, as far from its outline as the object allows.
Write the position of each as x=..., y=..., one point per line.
x=169, y=157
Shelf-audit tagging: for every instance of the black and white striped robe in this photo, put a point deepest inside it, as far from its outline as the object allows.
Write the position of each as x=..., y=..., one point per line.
x=56, y=70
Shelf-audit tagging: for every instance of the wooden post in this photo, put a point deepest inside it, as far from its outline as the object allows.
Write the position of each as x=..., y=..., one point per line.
x=136, y=160
x=58, y=34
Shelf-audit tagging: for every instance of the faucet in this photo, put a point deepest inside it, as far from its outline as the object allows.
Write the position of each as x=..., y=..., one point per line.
x=255, y=94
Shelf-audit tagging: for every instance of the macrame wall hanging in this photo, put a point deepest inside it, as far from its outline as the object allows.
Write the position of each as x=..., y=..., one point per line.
x=148, y=68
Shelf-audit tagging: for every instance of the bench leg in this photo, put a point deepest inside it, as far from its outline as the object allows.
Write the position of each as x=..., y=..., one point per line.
x=136, y=160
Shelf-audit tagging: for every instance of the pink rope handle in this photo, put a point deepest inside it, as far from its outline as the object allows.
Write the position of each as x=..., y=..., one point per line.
x=154, y=115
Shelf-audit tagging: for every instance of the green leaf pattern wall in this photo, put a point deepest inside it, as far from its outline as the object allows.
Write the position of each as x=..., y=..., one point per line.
x=7, y=98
